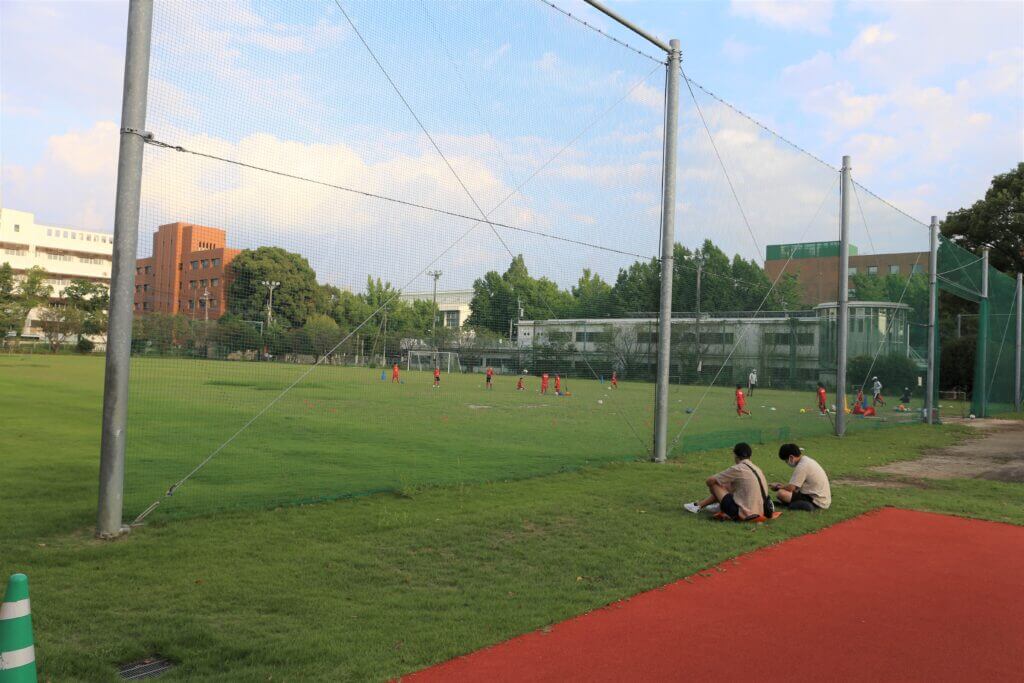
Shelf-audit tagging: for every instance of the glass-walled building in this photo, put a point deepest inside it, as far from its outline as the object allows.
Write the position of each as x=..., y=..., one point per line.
x=876, y=328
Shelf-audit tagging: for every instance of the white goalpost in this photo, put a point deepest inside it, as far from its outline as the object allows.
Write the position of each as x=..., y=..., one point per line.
x=448, y=361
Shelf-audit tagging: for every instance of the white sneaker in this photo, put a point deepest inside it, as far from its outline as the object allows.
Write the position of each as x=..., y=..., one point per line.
x=691, y=507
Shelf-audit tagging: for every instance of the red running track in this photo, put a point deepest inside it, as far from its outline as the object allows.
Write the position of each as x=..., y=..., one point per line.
x=894, y=595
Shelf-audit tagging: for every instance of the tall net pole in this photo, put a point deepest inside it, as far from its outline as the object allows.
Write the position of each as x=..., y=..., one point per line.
x=668, y=240
x=122, y=291
x=842, y=321
x=933, y=311
x=980, y=399
x=1017, y=344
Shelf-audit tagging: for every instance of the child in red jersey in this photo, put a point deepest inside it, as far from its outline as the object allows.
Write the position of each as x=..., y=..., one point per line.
x=615, y=380
x=741, y=402
x=437, y=377
x=544, y=383
x=519, y=384
x=558, y=384
x=394, y=374
x=822, y=399
x=490, y=376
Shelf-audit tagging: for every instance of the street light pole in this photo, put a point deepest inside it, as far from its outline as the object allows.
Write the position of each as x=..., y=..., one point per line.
x=433, y=323
x=270, y=285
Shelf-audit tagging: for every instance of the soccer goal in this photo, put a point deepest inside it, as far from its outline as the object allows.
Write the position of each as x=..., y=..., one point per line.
x=448, y=361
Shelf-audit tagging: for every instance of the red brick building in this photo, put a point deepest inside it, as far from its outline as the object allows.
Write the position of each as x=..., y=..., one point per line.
x=187, y=273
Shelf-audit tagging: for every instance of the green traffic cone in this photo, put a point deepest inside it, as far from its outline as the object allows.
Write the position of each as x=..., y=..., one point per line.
x=17, y=651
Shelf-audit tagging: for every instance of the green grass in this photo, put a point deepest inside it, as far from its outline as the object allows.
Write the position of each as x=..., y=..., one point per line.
x=343, y=432
x=377, y=586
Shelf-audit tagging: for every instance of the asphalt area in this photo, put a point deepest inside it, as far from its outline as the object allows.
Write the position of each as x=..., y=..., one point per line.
x=891, y=595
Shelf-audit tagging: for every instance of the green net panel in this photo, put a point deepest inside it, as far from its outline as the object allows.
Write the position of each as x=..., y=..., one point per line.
x=976, y=335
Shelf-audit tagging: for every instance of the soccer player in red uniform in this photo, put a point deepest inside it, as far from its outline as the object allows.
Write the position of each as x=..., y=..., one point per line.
x=519, y=384
x=490, y=376
x=741, y=402
x=437, y=377
x=822, y=399
x=615, y=380
x=558, y=384
x=394, y=373
x=544, y=383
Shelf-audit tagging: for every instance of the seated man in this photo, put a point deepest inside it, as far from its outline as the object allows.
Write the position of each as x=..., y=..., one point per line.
x=808, y=488
x=736, y=490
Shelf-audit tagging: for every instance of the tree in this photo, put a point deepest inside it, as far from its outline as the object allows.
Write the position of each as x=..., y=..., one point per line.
x=59, y=322
x=295, y=299
x=93, y=300
x=322, y=333
x=996, y=221
x=497, y=298
x=19, y=296
x=593, y=297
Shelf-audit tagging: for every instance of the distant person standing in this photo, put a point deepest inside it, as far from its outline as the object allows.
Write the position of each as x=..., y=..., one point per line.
x=544, y=383
x=876, y=393
x=905, y=398
x=822, y=399
x=752, y=382
x=490, y=376
x=615, y=380
x=558, y=383
x=394, y=374
x=437, y=376
x=519, y=384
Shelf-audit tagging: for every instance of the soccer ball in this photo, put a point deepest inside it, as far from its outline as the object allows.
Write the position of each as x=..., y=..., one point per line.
x=971, y=416
x=773, y=408
x=803, y=410
x=600, y=402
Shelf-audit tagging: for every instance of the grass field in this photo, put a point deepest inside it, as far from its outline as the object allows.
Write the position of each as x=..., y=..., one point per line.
x=342, y=431
x=374, y=587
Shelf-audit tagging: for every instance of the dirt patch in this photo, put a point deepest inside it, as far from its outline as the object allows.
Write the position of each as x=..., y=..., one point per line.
x=997, y=454
x=873, y=483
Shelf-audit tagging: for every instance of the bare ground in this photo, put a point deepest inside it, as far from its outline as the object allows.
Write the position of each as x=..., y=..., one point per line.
x=997, y=453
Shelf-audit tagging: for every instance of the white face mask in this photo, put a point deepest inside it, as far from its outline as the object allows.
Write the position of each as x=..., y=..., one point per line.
x=791, y=461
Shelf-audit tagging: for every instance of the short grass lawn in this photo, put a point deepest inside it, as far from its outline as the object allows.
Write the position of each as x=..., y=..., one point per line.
x=372, y=587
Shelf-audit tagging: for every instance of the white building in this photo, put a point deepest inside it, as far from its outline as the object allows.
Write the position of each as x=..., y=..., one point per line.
x=64, y=253
x=452, y=304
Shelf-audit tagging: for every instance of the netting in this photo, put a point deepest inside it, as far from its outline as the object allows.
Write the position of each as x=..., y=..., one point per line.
x=401, y=244
x=977, y=358
x=335, y=189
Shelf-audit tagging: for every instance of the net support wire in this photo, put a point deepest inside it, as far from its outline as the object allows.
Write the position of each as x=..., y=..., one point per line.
x=149, y=138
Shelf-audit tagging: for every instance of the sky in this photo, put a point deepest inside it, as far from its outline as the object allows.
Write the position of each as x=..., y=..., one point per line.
x=515, y=111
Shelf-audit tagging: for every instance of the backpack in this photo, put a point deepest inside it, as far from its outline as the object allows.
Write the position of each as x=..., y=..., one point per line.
x=769, y=506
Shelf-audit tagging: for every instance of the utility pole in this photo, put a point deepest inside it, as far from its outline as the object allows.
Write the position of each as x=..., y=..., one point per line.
x=433, y=323
x=110, y=505
x=270, y=285
x=843, y=319
x=933, y=312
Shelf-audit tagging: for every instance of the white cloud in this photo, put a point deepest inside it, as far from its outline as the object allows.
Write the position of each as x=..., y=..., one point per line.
x=813, y=17
x=839, y=103
x=73, y=182
x=648, y=96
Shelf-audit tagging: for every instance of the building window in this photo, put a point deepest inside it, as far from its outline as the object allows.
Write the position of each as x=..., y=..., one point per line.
x=202, y=283
x=65, y=233
x=916, y=269
x=216, y=262
x=191, y=304
x=894, y=270
x=49, y=232
x=145, y=288
x=148, y=269
x=74, y=235
x=853, y=270
x=195, y=265
x=202, y=303
x=214, y=282
x=17, y=228
x=206, y=263
x=872, y=270
x=213, y=303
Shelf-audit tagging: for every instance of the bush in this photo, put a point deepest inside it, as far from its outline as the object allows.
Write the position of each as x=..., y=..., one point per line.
x=85, y=345
x=895, y=372
x=956, y=364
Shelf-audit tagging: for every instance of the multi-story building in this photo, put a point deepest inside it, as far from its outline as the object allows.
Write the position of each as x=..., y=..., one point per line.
x=816, y=265
x=65, y=254
x=187, y=273
x=452, y=305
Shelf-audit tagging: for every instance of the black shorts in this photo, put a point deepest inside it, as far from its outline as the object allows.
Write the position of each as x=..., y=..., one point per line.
x=730, y=507
x=803, y=498
x=437, y=379
x=488, y=380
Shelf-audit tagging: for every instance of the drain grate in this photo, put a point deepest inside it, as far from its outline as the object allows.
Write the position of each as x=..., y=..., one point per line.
x=152, y=667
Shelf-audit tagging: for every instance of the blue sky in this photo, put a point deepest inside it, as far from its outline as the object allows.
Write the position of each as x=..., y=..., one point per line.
x=926, y=97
